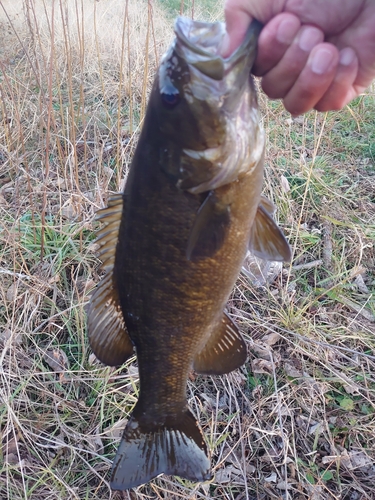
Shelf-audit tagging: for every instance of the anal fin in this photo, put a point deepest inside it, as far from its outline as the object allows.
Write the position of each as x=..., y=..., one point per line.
x=224, y=351
x=107, y=332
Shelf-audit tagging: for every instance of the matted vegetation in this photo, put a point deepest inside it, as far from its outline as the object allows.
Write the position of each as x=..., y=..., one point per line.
x=298, y=420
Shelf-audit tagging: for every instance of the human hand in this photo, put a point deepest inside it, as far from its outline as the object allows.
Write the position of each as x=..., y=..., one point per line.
x=311, y=53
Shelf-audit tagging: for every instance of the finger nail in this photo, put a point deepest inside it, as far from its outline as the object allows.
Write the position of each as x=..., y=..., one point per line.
x=286, y=31
x=347, y=56
x=309, y=38
x=321, y=61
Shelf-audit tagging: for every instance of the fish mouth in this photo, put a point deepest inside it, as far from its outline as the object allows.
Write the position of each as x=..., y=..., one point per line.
x=200, y=44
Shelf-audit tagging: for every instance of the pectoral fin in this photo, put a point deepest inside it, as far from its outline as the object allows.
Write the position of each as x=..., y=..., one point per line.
x=267, y=205
x=209, y=229
x=224, y=351
x=267, y=240
x=106, y=326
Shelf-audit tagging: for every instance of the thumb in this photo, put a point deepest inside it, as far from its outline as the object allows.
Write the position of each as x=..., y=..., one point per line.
x=237, y=22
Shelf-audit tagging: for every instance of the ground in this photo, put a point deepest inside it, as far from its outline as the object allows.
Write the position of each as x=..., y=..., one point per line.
x=298, y=420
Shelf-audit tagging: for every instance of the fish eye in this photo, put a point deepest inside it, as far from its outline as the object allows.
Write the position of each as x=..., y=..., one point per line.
x=170, y=99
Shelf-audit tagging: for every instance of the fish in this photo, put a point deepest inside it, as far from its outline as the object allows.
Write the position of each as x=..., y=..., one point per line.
x=173, y=243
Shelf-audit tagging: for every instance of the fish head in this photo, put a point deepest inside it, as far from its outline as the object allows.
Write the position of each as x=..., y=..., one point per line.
x=207, y=103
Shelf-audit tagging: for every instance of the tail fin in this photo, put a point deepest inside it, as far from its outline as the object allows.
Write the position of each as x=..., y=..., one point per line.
x=177, y=448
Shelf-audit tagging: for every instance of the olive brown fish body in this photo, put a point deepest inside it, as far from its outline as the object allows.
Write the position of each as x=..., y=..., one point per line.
x=174, y=244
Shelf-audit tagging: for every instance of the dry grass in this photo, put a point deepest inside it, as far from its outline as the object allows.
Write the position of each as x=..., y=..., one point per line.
x=298, y=421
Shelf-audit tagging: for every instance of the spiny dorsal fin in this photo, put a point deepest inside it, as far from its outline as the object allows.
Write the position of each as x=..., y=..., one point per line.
x=224, y=351
x=107, y=333
x=267, y=240
x=209, y=229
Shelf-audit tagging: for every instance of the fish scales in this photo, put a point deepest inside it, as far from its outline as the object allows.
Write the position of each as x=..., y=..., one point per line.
x=190, y=211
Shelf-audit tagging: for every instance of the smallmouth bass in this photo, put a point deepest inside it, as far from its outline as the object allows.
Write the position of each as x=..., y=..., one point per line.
x=174, y=242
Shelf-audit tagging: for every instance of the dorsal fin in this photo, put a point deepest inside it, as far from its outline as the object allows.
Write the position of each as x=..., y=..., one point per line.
x=267, y=241
x=107, y=236
x=107, y=332
x=224, y=351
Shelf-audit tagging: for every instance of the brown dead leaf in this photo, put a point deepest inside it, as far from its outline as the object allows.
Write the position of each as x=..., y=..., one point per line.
x=10, y=450
x=316, y=492
x=262, y=351
x=12, y=292
x=341, y=459
x=93, y=360
x=350, y=389
x=116, y=430
x=292, y=371
x=361, y=285
x=261, y=272
x=11, y=459
x=350, y=460
x=69, y=210
x=238, y=377
x=258, y=392
x=302, y=422
x=265, y=351
x=58, y=361
x=10, y=446
x=3, y=201
x=223, y=475
x=250, y=469
x=229, y=474
x=284, y=184
x=95, y=441
x=262, y=366
x=316, y=428
x=93, y=247
x=315, y=388
x=84, y=286
x=360, y=459
x=133, y=372
x=15, y=336
x=271, y=339
x=209, y=402
x=272, y=478
x=284, y=485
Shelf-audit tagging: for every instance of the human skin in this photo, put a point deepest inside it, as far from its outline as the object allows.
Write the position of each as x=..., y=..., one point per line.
x=311, y=53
